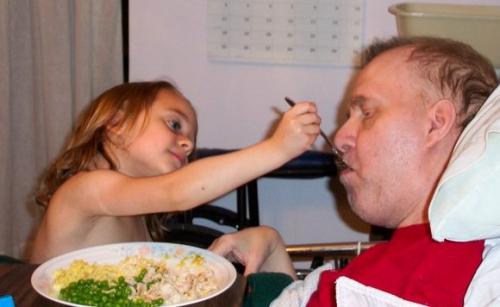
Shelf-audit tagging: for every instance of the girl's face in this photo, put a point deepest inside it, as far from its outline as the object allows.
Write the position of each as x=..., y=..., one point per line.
x=163, y=144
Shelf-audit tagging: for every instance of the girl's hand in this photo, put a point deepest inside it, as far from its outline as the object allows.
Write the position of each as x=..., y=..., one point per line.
x=298, y=129
x=257, y=248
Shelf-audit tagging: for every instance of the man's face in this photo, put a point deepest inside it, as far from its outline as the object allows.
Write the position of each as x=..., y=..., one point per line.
x=383, y=140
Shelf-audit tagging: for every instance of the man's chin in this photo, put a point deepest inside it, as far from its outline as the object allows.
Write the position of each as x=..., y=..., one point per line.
x=364, y=213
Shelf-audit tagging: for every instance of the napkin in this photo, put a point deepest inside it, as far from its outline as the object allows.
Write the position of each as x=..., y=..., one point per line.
x=352, y=293
x=466, y=203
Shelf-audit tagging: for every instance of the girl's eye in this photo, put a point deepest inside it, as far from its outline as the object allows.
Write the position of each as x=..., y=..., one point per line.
x=175, y=125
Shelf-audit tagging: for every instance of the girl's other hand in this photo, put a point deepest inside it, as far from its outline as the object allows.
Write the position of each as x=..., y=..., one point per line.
x=257, y=248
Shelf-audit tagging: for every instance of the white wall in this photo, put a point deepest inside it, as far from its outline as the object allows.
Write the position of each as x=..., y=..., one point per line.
x=235, y=105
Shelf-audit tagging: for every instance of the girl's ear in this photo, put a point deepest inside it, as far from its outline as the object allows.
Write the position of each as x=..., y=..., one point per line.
x=113, y=126
x=115, y=129
x=442, y=116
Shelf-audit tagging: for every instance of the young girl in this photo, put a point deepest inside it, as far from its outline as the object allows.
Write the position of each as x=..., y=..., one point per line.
x=128, y=157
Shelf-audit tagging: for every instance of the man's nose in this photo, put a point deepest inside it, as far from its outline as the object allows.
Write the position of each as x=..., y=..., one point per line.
x=344, y=138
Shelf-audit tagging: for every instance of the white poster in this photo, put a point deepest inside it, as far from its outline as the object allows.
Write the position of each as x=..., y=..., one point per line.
x=326, y=32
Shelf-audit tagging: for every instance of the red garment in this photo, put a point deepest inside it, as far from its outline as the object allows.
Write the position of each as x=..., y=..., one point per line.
x=412, y=266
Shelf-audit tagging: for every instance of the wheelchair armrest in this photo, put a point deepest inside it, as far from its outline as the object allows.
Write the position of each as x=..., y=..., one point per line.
x=216, y=214
x=196, y=235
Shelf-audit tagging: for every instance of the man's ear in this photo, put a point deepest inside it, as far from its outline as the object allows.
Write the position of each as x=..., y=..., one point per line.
x=442, y=116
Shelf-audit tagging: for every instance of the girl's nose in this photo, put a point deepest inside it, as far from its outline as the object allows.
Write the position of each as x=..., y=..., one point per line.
x=185, y=143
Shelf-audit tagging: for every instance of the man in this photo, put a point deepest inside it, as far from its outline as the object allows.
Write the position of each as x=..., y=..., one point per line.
x=407, y=108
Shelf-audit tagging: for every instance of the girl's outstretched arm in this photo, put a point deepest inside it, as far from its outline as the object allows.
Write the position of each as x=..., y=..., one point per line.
x=107, y=192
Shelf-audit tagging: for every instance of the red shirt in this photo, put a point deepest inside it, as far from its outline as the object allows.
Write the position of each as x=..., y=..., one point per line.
x=412, y=266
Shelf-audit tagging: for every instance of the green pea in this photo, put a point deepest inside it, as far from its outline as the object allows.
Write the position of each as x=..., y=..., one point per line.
x=141, y=275
x=104, y=293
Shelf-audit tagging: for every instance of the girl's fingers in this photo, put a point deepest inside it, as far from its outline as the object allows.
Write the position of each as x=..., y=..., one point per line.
x=311, y=129
x=309, y=118
x=304, y=107
x=221, y=247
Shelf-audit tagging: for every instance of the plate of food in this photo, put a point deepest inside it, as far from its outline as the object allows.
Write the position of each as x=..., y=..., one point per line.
x=134, y=274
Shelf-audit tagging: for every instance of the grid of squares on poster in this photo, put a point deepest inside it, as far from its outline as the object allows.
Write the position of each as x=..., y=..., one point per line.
x=326, y=32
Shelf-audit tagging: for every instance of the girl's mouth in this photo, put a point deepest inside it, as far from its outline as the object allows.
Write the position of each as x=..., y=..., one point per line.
x=180, y=158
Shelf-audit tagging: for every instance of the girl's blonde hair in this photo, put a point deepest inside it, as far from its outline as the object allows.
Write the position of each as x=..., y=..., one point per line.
x=119, y=106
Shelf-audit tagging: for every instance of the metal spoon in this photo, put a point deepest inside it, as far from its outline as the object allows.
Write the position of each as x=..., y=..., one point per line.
x=339, y=161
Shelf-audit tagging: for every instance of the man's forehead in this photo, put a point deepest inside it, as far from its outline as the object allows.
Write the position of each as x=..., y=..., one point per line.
x=390, y=64
x=397, y=56
x=389, y=77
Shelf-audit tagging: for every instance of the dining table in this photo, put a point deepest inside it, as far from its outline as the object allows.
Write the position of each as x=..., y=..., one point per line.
x=15, y=280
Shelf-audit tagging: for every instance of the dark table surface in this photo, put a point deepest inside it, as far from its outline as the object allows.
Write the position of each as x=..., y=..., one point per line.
x=15, y=279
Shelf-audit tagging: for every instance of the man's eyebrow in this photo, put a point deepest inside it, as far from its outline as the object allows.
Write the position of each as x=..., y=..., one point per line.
x=357, y=101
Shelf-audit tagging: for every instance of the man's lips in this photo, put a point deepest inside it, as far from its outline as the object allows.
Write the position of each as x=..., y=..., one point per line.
x=342, y=167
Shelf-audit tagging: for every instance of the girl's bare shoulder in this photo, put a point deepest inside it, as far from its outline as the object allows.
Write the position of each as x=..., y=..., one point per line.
x=81, y=191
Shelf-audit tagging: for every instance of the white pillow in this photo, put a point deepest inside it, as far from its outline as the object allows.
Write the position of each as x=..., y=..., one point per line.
x=466, y=203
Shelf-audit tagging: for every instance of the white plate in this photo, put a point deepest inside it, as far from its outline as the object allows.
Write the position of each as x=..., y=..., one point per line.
x=42, y=278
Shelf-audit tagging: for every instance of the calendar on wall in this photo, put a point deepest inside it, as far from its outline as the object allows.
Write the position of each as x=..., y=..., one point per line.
x=326, y=32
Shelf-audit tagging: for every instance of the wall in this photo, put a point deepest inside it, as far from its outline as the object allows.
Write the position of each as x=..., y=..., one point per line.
x=237, y=105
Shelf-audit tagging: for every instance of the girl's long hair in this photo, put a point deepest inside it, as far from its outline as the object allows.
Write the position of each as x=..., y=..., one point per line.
x=119, y=106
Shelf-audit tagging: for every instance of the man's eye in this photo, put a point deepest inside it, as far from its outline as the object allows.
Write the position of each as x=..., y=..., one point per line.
x=367, y=113
x=175, y=125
